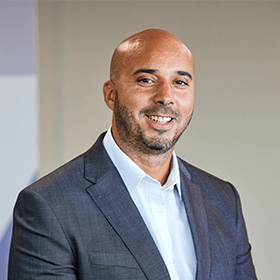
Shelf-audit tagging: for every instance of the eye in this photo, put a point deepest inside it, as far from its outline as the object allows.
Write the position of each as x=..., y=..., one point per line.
x=181, y=83
x=144, y=80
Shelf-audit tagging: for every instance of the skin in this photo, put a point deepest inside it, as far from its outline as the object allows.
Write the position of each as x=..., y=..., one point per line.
x=152, y=74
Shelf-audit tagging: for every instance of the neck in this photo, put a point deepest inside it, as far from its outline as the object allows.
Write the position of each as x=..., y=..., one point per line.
x=157, y=167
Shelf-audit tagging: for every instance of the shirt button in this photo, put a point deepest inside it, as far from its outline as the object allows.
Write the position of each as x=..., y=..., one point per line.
x=170, y=259
x=158, y=210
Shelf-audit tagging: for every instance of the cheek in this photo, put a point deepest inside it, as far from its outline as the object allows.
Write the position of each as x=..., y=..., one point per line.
x=135, y=102
x=186, y=106
x=131, y=105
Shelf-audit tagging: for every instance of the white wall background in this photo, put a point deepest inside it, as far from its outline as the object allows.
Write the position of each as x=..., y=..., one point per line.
x=18, y=149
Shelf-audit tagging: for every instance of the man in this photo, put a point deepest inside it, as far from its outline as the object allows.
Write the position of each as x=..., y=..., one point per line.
x=128, y=208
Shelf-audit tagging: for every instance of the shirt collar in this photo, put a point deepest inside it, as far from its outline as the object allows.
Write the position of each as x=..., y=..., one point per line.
x=130, y=172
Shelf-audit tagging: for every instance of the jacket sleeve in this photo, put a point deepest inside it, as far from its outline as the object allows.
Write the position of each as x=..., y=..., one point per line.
x=244, y=269
x=39, y=247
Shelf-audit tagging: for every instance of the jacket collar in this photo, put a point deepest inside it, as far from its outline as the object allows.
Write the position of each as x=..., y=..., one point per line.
x=195, y=208
x=113, y=199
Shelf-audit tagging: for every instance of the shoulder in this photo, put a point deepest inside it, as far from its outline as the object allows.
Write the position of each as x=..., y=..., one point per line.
x=211, y=187
x=70, y=178
x=56, y=192
x=198, y=175
x=64, y=176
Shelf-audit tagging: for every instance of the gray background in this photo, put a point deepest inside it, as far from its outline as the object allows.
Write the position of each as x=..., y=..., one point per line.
x=234, y=133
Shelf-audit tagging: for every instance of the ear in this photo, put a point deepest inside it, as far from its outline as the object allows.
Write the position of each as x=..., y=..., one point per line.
x=109, y=94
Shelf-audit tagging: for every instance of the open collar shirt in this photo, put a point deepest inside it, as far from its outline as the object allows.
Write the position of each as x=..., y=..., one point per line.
x=162, y=210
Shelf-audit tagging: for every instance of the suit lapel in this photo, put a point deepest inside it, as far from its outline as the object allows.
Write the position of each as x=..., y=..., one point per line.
x=195, y=208
x=111, y=196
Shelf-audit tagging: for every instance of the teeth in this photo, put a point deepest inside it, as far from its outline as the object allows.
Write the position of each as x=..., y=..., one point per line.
x=161, y=120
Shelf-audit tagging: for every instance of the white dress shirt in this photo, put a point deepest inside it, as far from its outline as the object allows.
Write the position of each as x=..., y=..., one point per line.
x=162, y=210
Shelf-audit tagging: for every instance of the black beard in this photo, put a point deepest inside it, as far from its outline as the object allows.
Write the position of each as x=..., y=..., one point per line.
x=134, y=136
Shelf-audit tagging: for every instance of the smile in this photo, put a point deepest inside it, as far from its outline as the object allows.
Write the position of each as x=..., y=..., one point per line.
x=161, y=120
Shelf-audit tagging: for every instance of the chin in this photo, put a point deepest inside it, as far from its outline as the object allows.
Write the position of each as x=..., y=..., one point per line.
x=158, y=144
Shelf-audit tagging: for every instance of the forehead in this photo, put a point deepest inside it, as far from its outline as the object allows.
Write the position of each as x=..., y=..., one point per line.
x=159, y=57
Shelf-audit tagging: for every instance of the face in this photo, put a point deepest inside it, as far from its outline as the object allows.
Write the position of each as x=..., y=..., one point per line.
x=153, y=98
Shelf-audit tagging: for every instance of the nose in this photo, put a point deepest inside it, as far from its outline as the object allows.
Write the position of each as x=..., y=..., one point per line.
x=164, y=95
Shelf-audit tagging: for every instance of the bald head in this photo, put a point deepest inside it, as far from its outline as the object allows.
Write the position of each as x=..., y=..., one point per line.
x=146, y=42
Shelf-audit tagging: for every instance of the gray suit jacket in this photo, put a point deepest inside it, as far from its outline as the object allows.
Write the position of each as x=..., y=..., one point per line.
x=79, y=222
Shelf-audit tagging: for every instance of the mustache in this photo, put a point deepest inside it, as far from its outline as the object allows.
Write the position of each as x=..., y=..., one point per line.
x=160, y=110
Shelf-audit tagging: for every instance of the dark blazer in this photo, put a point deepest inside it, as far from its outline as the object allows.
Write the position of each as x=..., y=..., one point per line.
x=79, y=222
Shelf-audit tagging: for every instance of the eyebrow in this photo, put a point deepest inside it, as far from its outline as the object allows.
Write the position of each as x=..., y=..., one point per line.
x=153, y=71
x=183, y=73
x=147, y=71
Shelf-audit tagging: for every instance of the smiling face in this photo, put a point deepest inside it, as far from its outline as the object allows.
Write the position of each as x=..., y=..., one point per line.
x=151, y=92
